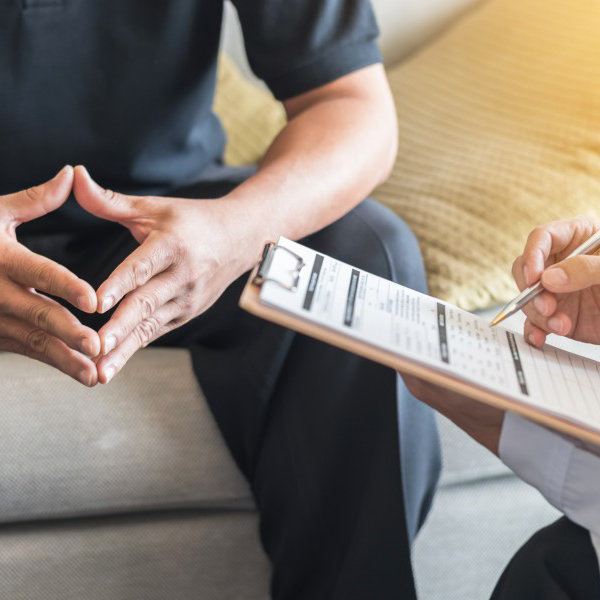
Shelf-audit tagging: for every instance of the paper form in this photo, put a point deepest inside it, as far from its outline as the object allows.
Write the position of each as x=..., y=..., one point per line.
x=412, y=325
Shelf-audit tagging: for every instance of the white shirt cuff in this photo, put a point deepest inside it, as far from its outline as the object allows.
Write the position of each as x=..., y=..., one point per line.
x=566, y=474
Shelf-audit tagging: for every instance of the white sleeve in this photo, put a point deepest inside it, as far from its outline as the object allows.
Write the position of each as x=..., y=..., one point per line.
x=565, y=473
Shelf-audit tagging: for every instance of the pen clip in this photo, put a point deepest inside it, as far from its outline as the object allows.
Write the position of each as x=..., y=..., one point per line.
x=266, y=261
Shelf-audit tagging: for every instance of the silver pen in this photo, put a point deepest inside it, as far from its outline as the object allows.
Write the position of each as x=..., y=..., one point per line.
x=588, y=247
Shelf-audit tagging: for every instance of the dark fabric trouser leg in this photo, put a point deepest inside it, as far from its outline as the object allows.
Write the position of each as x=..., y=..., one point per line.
x=313, y=428
x=329, y=436
x=557, y=563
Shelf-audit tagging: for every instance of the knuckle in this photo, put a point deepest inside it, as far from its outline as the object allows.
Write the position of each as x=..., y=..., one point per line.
x=33, y=193
x=178, y=322
x=43, y=276
x=141, y=204
x=538, y=230
x=39, y=315
x=170, y=251
x=190, y=285
x=163, y=211
x=116, y=199
x=146, y=304
x=141, y=270
x=146, y=331
x=180, y=305
x=37, y=342
x=176, y=250
x=536, y=235
x=109, y=195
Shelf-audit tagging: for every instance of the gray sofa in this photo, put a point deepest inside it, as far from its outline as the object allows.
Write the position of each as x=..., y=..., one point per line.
x=127, y=492
x=123, y=492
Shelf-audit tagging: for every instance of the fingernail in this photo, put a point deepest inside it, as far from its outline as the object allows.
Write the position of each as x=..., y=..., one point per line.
x=531, y=339
x=110, y=343
x=109, y=372
x=86, y=378
x=526, y=274
x=540, y=305
x=86, y=346
x=63, y=170
x=85, y=303
x=107, y=303
x=556, y=276
x=555, y=324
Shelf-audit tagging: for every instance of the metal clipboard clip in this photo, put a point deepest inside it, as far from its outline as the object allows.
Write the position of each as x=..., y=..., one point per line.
x=266, y=261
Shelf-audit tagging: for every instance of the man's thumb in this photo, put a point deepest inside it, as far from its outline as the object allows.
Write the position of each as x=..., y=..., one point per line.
x=572, y=274
x=102, y=203
x=40, y=200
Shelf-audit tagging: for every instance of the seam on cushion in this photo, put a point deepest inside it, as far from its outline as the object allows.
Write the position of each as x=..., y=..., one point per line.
x=127, y=515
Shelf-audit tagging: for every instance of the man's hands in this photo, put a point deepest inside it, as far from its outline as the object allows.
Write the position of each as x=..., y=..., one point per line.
x=183, y=264
x=191, y=250
x=570, y=306
x=31, y=323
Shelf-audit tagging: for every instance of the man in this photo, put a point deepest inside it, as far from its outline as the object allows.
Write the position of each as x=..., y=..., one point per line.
x=560, y=562
x=125, y=89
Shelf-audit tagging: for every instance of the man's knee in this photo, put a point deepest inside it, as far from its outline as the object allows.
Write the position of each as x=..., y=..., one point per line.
x=373, y=238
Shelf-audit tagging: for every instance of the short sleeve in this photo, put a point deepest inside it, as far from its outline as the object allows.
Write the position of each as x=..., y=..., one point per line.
x=298, y=45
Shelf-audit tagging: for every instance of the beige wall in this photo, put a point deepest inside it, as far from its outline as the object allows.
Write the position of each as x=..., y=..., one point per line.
x=405, y=25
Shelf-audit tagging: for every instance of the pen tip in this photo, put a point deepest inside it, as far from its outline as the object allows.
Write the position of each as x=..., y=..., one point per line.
x=498, y=319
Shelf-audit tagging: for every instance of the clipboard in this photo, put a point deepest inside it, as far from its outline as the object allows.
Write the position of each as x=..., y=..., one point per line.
x=250, y=301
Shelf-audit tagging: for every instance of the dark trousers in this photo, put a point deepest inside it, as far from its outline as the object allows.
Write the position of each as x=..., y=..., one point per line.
x=314, y=429
x=557, y=563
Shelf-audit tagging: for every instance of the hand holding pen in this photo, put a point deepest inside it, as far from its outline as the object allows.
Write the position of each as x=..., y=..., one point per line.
x=559, y=298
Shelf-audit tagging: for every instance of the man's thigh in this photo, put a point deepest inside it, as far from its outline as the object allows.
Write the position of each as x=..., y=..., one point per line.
x=557, y=563
x=237, y=355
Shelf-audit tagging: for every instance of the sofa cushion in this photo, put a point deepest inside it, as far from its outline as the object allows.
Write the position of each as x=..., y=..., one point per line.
x=250, y=115
x=472, y=533
x=499, y=131
x=464, y=460
x=146, y=441
x=176, y=556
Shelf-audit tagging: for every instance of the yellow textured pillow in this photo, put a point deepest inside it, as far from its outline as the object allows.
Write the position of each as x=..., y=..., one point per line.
x=250, y=115
x=499, y=131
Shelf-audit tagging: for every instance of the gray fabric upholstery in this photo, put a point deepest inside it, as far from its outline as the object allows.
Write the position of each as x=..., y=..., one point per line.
x=146, y=441
x=122, y=492
x=209, y=556
x=127, y=492
x=465, y=461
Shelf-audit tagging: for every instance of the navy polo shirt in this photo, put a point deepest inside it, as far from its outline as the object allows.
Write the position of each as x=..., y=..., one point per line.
x=125, y=87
